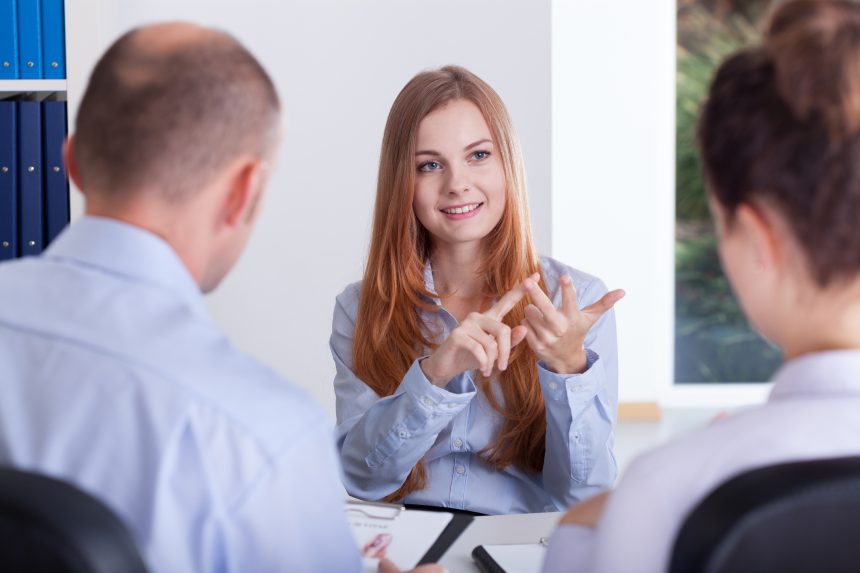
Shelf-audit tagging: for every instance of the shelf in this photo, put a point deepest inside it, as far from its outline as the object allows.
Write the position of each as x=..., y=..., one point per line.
x=33, y=89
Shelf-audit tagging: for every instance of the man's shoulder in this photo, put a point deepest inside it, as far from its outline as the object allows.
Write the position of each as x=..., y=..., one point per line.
x=240, y=390
x=168, y=349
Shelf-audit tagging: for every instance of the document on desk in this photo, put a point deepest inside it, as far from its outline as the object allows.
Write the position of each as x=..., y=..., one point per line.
x=513, y=558
x=392, y=531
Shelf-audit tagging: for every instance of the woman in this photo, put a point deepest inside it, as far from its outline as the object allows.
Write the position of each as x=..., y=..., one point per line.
x=780, y=142
x=452, y=388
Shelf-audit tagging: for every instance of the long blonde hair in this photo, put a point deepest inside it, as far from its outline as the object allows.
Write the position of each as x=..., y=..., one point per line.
x=388, y=334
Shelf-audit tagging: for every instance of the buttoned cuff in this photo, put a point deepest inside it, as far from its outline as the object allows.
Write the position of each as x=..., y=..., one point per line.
x=572, y=388
x=433, y=399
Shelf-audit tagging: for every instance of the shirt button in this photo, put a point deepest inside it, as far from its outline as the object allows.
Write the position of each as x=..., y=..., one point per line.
x=458, y=443
x=403, y=434
x=553, y=385
x=460, y=469
x=426, y=401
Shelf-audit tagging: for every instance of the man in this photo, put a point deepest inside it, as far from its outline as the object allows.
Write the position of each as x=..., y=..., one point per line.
x=113, y=376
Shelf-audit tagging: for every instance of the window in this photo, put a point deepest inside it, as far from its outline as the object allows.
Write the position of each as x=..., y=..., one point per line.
x=713, y=341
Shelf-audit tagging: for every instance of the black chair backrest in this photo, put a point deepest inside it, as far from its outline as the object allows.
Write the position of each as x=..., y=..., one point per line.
x=50, y=525
x=794, y=517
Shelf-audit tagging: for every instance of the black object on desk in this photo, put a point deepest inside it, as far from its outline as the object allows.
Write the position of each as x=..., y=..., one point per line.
x=462, y=519
x=485, y=561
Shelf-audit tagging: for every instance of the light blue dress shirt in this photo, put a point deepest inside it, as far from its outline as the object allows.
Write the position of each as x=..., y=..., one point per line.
x=381, y=439
x=113, y=377
x=812, y=413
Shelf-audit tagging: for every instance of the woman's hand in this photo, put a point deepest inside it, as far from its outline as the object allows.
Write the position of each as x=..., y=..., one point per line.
x=481, y=342
x=556, y=336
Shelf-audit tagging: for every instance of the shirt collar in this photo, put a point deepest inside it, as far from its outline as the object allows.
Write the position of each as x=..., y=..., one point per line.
x=127, y=251
x=430, y=284
x=830, y=373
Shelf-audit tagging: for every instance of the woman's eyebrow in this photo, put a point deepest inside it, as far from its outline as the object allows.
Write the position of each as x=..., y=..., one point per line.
x=477, y=143
x=467, y=148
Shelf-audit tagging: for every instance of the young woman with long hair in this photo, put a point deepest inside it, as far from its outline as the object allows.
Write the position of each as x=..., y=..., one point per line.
x=780, y=142
x=471, y=373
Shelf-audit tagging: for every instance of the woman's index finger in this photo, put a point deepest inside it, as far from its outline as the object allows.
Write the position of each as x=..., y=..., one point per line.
x=504, y=305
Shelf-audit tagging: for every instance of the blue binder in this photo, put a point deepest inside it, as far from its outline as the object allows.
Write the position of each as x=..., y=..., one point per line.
x=53, y=40
x=31, y=229
x=8, y=40
x=56, y=183
x=30, y=39
x=8, y=183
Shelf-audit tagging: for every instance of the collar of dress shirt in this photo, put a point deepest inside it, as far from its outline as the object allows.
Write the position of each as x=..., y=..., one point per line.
x=128, y=251
x=830, y=373
x=430, y=284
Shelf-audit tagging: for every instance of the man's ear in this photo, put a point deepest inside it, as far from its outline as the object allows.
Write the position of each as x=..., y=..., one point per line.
x=69, y=162
x=758, y=228
x=244, y=189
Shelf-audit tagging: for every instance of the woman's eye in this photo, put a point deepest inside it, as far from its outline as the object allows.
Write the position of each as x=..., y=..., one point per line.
x=429, y=166
x=480, y=155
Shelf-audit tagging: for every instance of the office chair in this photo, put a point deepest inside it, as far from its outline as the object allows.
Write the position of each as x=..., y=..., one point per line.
x=50, y=525
x=793, y=517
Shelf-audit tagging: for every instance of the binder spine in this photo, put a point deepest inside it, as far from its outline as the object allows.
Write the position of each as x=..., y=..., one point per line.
x=53, y=40
x=56, y=182
x=30, y=225
x=8, y=181
x=9, y=40
x=30, y=39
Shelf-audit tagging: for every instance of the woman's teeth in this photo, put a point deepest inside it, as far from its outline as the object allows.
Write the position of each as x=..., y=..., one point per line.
x=459, y=210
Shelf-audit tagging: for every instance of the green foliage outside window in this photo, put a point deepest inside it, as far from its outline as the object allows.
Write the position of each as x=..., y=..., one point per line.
x=713, y=341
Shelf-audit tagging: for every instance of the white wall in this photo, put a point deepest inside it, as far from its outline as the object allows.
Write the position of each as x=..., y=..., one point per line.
x=613, y=71
x=339, y=65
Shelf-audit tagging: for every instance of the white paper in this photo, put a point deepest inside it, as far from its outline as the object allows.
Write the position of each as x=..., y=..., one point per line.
x=404, y=539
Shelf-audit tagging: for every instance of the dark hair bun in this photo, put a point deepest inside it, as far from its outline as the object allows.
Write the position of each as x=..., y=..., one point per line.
x=815, y=50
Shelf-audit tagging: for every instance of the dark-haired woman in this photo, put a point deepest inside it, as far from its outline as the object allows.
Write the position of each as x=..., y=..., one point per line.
x=780, y=141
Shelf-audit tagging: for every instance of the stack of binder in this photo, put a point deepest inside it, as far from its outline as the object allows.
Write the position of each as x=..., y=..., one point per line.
x=32, y=40
x=34, y=189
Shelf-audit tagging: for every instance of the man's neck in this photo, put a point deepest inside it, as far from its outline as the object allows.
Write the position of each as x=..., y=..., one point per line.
x=161, y=223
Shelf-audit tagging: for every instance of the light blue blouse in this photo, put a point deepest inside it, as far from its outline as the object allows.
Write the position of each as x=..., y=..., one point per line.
x=381, y=439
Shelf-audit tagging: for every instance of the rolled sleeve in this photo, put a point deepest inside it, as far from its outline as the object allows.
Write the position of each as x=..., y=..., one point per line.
x=380, y=439
x=415, y=414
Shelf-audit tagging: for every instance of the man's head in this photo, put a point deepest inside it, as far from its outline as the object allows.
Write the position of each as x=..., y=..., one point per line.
x=173, y=134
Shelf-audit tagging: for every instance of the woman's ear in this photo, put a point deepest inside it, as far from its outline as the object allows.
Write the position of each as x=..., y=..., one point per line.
x=758, y=230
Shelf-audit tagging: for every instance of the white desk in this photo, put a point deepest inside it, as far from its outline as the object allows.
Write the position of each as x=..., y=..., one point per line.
x=495, y=529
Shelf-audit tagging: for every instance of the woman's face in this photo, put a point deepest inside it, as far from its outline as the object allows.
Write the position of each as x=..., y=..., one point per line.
x=459, y=180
